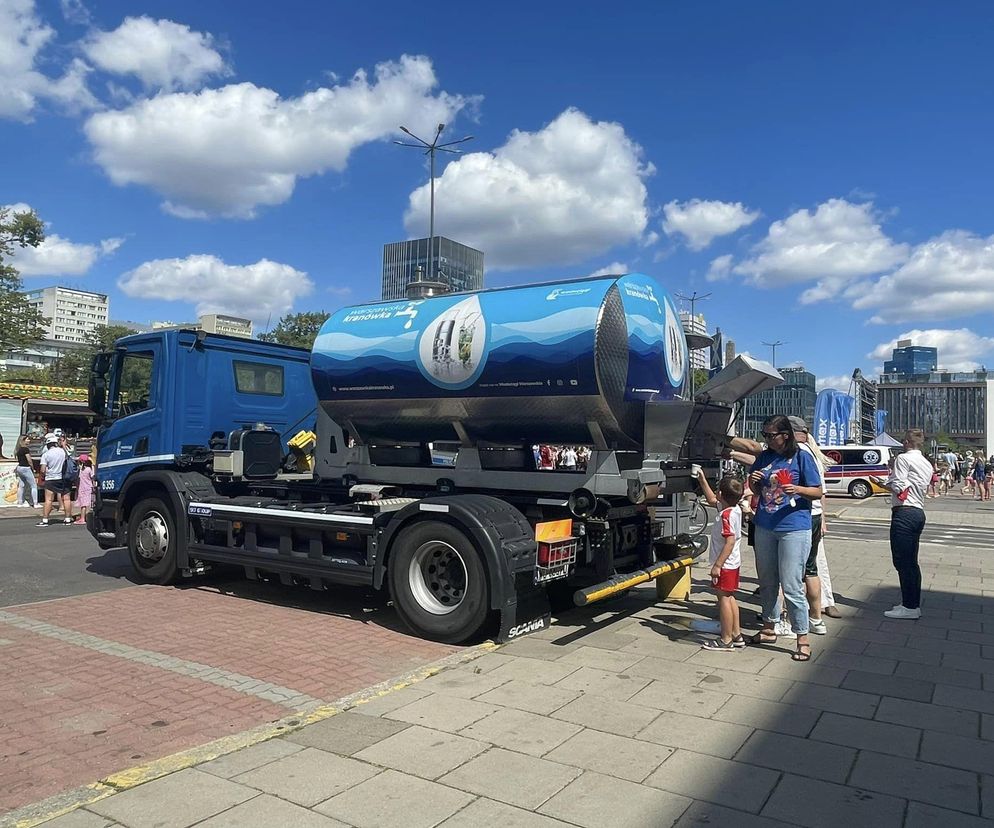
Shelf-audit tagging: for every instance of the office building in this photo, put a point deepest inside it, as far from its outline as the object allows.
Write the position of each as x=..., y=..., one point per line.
x=697, y=324
x=960, y=404
x=211, y=323
x=227, y=325
x=454, y=264
x=72, y=314
x=795, y=397
x=915, y=394
x=910, y=360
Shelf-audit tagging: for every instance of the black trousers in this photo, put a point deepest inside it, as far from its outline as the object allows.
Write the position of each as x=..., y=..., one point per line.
x=906, y=525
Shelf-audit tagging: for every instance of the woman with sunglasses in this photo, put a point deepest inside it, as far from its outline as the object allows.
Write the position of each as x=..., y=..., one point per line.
x=785, y=480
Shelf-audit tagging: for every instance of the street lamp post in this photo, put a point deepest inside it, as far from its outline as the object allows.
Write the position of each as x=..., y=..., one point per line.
x=430, y=150
x=774, y=346
x=693, y=299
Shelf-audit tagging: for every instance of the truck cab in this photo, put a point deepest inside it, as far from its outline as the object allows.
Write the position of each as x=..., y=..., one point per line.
x=167, y=399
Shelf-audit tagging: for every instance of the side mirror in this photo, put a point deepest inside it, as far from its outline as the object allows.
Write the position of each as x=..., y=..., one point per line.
x=97, y=391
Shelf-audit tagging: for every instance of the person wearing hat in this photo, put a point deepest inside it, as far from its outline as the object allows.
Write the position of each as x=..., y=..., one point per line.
x=84, y=489
x=53, y=466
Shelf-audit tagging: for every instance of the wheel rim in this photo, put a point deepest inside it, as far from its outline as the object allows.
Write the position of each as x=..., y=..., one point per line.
x=437, y=577
x=861, y=490
x=151, y=538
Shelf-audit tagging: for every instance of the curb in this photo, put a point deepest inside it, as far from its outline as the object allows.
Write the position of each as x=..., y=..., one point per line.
x=34, y=814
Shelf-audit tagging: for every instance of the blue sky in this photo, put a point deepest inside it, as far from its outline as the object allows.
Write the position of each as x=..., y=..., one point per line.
x=825, y=172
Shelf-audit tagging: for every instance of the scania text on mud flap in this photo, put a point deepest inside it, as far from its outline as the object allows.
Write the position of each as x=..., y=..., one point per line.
x=404, y=451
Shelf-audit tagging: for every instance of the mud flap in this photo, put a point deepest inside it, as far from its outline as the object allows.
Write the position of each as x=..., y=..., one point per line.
x=525, y=612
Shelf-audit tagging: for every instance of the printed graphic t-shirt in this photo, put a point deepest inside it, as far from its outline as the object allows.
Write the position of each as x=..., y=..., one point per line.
x=728, y=524
x=775, y=511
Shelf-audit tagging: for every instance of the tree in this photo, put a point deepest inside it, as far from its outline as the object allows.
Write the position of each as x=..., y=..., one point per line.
x=21, y=325
x=700, y=377
x=72, y=368
x=299, y=329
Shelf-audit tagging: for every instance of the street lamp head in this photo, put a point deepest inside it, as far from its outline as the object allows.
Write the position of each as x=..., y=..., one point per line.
x=405, y=129
x=440, y=128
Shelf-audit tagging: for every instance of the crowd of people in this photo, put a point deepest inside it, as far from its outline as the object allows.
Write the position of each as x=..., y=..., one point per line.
x=563, y=458
x=67, y=480
x=969, y=471
x=780, y=503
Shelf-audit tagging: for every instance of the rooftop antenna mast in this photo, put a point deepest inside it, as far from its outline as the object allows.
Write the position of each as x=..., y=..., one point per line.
x=430, y=150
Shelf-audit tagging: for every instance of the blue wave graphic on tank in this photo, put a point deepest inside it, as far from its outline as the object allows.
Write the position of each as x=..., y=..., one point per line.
x=339, y=343
x=556, y=328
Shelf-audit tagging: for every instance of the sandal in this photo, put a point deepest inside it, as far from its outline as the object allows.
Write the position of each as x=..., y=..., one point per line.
x=763, y=637
x=800, y=655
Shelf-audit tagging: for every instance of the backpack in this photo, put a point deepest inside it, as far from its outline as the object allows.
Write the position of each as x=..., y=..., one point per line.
x=70, y=471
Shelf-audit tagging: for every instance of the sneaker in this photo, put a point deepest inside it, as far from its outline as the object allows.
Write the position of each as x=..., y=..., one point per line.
x=817, y=626
x=42, y=522
x=718, y=646
x=782, y=629
x=904, y=613
x=831, y=612
x=67, y=521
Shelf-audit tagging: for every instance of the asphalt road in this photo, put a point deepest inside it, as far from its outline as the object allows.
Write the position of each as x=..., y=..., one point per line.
x=55, y=562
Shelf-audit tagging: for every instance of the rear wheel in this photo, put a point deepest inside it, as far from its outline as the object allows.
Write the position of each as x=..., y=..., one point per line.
x=438, y=583
x=152, y=541
x=860, y=489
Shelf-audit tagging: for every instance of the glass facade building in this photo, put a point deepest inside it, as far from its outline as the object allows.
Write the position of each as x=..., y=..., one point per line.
x=796, y=397
x=456, y=265
x=908, y=360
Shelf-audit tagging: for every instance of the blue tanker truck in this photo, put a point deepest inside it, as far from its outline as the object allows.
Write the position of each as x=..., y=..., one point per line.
x=192, y=454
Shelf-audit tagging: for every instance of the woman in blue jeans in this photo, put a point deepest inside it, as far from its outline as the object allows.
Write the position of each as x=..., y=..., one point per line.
x=785, y=480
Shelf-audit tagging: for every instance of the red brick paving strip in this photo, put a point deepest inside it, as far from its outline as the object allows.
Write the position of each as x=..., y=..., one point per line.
x=70, y=715
x=323, y=655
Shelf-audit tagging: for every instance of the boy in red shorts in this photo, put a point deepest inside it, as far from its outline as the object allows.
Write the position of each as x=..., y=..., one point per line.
x=725, y=559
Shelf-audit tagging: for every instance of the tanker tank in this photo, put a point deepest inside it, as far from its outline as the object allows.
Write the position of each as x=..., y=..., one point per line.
x=546, y=363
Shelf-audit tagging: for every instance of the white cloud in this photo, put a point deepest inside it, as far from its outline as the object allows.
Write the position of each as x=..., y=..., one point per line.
x=75, y=12
x=832, y=246
x=254, y=291
x=615, y=268
x=160, y=53
x=700, y=222
x=720, y=268
x=227, y=151
x=839, y=383
x=23, y=35
x=959, y=350
x=57, y=256
x=948, y=276
x=569, y=191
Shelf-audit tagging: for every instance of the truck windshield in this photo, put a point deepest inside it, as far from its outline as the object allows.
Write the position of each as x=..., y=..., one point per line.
x=133, y=389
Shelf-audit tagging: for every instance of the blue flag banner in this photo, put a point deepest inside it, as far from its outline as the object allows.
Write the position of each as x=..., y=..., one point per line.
x=833, y=411
x=881, y=421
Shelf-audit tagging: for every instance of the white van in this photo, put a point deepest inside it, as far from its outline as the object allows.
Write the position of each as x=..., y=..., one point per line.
x=855, y=466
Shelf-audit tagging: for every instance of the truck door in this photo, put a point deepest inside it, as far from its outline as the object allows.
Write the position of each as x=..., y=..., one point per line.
x=134, y=434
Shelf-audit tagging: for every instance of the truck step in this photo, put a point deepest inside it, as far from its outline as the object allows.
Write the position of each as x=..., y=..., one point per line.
x=387, y=504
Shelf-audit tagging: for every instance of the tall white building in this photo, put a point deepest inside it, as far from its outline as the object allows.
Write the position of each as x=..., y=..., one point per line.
x=696, y=324
x=72, y=314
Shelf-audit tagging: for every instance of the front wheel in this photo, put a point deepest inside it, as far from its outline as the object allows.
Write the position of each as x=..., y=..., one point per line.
x=860, y=489
x=438, y=583
x=152, y=541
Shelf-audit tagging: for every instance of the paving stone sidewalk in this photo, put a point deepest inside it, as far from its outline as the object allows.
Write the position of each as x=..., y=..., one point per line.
x=616, y=717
